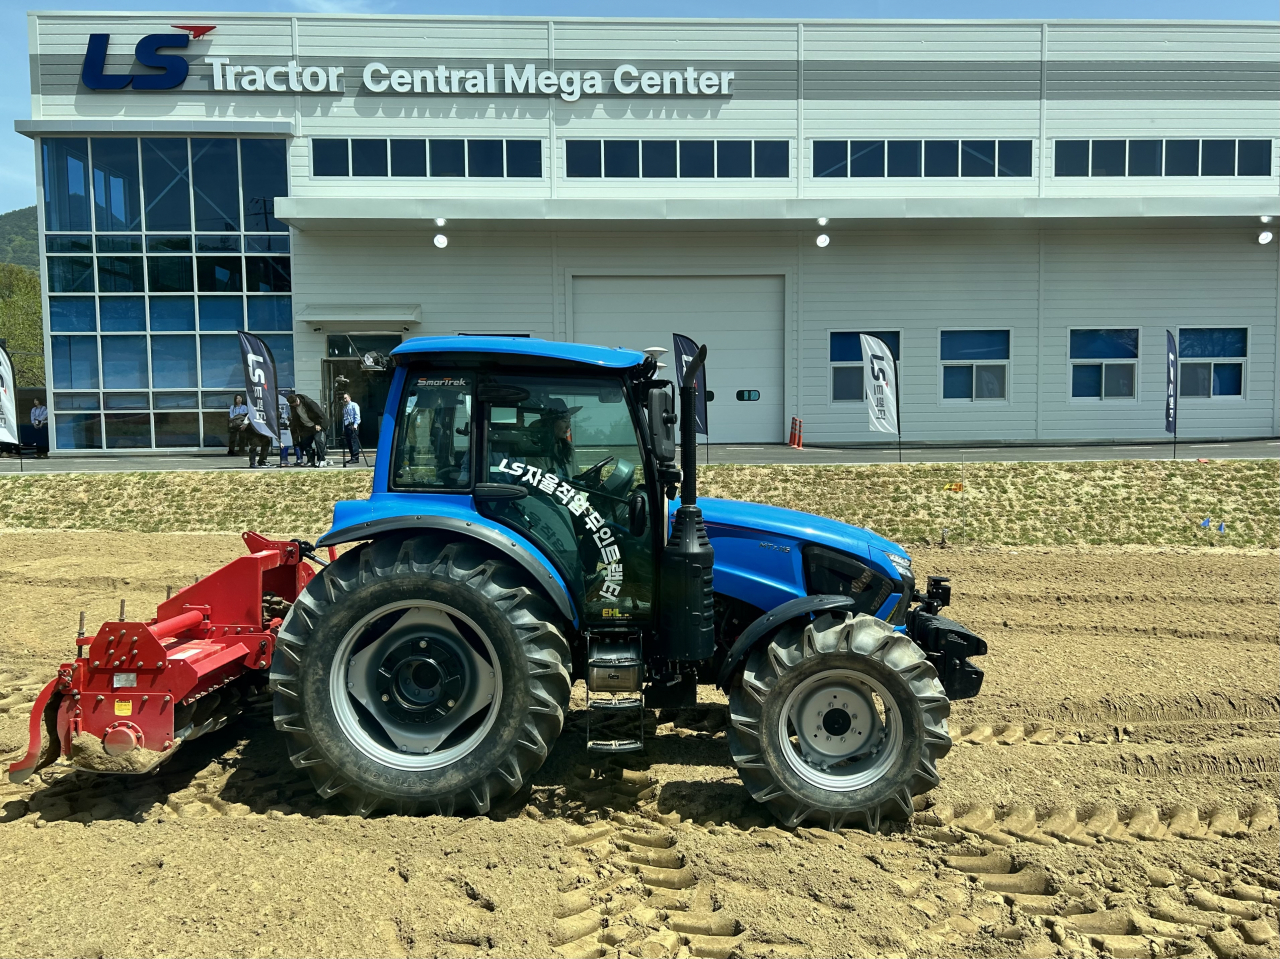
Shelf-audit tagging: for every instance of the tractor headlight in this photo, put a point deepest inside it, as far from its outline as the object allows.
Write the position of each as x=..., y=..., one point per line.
x=908, y=578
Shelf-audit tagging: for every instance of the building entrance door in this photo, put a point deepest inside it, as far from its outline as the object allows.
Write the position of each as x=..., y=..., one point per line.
x=357, y=364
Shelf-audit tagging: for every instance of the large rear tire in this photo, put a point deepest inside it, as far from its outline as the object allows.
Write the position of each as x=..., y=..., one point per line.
x=839, y=721
x=420, y=676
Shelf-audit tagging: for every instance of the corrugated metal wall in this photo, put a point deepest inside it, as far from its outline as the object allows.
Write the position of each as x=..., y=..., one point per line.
x=1036, y=282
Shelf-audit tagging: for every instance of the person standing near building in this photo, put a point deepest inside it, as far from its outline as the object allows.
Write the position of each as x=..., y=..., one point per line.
x=237, y=422
x=286, y=433
x=351, y=428
x=40, y=423
x=307, y=423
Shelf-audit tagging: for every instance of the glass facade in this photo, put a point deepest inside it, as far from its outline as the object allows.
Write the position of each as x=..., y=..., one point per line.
x=158, y=250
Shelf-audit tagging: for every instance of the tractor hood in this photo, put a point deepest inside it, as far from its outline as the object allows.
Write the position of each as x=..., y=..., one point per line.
x=794, y=524
x=758, y=558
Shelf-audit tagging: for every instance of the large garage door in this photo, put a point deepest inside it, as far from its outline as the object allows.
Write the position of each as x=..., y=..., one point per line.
x=740, y=318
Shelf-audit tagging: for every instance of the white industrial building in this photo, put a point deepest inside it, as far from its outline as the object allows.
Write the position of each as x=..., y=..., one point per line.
x=1022, y=209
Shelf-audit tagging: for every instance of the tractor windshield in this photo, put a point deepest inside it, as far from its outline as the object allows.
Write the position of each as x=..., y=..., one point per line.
x=434, y=435
x=572, y=442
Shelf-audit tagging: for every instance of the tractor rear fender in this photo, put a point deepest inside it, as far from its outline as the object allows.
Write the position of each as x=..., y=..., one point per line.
x=458, y=523
x=764, y=627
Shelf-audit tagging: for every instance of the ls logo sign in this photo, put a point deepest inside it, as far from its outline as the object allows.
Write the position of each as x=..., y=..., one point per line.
x=147, y=53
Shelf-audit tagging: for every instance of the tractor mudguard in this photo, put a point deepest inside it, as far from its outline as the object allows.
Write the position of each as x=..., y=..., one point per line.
x=369, y=519
x=766, y=624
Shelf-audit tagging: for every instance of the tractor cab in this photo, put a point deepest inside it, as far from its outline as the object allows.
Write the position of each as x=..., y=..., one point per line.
x=555, y=454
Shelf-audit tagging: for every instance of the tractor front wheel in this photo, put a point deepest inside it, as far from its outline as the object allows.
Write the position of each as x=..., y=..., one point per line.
x=420, y=676
x=838, y=721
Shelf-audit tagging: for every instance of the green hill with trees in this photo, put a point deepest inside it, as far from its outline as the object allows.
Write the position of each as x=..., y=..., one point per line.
x=19, y=239
x=20, y=320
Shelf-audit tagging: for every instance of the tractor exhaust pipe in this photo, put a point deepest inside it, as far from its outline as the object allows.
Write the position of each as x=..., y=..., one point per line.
x=687, y=617
x=688, y=429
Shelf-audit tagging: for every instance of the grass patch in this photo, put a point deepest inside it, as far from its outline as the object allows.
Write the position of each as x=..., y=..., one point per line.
x=1013, y=504
x=1022, y=504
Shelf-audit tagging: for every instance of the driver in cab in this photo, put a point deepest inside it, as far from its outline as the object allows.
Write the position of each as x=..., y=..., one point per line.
x=554, y=428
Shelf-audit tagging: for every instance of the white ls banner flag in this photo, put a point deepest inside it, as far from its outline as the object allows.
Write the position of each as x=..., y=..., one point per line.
x=881, y=382
x=8, y=400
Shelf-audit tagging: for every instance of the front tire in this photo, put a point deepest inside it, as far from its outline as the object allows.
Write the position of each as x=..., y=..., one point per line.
x=840, y=720
x=420, y=676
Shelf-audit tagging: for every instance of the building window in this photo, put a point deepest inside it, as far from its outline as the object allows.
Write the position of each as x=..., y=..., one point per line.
x=478, y=158
x=913, y=158
x=368, y=157
x=127, y=363
x=116, y=186
x=671, y=159
x=448, y=157
x=166, y=184
x=124, y=363
x=844, y=353
x=524, y=159
x=1211, y=361
x=975, y=364
x=72, y=314
x=70, y=274
x=75, y=362
x=622, y=158
x=264, y=176
x=329, y=157
x=697, y=159
x=217, y=193
x=1082, y=158
x=123, y=314
x=1104, y=364
x=65, y=169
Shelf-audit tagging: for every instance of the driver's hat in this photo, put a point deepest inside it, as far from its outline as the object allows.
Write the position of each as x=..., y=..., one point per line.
x=557, y=408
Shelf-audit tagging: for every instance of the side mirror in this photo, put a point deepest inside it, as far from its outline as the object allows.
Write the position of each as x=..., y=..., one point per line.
x=638, y=515
x=662, y=425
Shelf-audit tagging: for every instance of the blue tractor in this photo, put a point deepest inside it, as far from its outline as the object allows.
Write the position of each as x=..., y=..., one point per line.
x=519, y=538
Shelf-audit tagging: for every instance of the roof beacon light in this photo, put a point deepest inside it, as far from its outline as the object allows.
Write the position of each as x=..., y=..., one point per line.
x=823, y=239
x=441, y=221
x=441, y=241
x=1265, y=237
x=822, y=221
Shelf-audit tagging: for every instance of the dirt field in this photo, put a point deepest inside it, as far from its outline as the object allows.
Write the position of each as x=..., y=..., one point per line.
x=1112, y=792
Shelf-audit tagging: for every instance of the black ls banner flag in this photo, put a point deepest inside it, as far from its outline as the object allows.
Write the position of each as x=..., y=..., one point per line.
x=260, y=385
x=1171, y=384
x=686, y=350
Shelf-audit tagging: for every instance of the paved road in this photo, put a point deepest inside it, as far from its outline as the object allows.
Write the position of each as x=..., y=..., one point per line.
x=762, y=454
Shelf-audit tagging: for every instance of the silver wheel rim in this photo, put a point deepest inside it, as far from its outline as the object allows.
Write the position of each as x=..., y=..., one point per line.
x=840, y=730
x=415, y=691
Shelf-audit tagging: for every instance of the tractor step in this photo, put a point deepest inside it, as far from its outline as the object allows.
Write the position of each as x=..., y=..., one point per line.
x=615, y=724
x=615, y=746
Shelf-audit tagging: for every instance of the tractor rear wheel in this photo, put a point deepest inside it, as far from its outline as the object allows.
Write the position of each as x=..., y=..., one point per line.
x=420, y=676
x=838, y=721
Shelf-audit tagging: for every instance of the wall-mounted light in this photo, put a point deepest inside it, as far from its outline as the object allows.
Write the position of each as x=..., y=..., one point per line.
x=1265, y=237
x=441, y=241
x=822, y=221
x=441, y=221
x=823, y=239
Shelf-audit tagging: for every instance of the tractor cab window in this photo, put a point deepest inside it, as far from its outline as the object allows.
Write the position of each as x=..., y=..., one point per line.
x=572, y=443
x=433, y=439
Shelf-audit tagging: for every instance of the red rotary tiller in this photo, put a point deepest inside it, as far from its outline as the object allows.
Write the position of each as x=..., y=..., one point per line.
x=142, y=689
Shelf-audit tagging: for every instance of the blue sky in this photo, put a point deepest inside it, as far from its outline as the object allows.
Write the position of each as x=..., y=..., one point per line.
x=17, y=163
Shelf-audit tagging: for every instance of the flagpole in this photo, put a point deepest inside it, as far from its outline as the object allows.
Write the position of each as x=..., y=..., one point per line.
x=897, y=403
